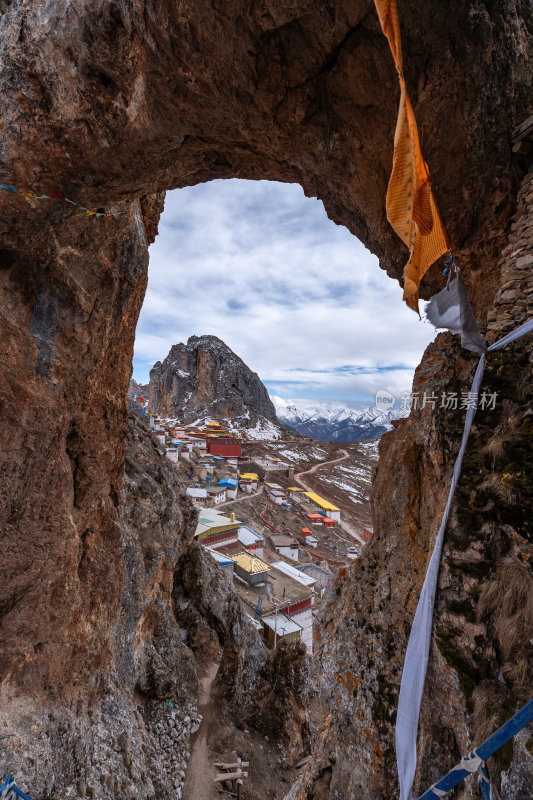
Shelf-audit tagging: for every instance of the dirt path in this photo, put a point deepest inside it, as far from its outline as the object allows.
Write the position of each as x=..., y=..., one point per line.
x=244, y=497
x=199, y=784
x=319, y=466
x=298, y=478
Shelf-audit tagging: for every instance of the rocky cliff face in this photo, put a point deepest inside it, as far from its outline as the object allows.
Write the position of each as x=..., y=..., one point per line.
x=205, y=379
x=124, y=730
x=479, y=670
x=111, y=103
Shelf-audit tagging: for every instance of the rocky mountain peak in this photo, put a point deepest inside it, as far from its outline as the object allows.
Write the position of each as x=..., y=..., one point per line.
x=205, y=378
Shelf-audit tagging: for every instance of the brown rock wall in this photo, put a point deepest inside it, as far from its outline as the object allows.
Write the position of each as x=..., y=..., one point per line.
x=513, y=303
x=67, y=336
x=112, y=102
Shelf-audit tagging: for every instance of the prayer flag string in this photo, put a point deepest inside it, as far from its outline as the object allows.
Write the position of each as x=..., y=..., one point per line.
x=60, y=196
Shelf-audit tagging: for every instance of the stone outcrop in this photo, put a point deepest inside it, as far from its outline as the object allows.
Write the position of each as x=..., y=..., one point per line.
x=479, y=671
x=205, y=379
x=112, y=103
x=513, y=303
x=99, y=736
x=124, y=731
x=266, y=688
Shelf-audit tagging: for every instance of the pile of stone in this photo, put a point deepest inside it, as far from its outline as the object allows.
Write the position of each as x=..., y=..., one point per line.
x=514, y=301
x=172, y=726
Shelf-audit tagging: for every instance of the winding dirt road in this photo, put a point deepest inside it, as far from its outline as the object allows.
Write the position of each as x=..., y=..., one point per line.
x=298, y=479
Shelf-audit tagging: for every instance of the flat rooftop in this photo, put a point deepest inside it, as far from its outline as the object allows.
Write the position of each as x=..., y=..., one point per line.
x=293, y=572
x=319, y=501
x=282, y=624
x=280, y=540
x=210, y=519
x=220, y=558
x=280, y=586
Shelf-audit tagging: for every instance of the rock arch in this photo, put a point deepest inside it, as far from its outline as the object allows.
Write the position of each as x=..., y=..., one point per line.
x=114, y=101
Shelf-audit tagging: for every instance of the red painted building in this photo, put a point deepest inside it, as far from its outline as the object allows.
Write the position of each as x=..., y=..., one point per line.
x=224, y=446
x=298, y=607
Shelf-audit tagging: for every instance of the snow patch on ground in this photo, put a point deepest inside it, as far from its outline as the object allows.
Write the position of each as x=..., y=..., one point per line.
x=293, y=455
x=318, y=453
x=264, y=430
x=356, y=492
x=370, y=448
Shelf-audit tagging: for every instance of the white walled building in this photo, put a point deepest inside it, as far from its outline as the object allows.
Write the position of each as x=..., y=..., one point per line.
x=286, y=546
x=198, y=496
x=217, y=494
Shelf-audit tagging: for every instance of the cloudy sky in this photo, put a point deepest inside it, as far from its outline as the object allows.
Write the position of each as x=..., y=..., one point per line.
x=297, y=297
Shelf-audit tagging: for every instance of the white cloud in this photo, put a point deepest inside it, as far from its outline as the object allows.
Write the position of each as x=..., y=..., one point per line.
x=297, y=297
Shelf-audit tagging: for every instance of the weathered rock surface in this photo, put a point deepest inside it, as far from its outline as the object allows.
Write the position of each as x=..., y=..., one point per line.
x=99, y=735
x=124, y=729
x=205, y=379
x=266, y=688
x=112, y=102
x=480, y=664
x=513, y=303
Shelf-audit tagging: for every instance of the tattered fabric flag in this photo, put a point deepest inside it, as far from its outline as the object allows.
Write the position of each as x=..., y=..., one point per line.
x=451, y=309
x=59, y=196
x=411, y=207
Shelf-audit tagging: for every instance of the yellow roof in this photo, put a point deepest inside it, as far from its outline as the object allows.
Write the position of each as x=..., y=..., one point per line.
x=294, y=489
x=214, y=423
x=250, y=563
x=319, y=501
x=249, y=476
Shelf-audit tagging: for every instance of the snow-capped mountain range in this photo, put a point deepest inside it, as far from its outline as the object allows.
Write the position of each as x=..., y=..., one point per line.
x=338, y=424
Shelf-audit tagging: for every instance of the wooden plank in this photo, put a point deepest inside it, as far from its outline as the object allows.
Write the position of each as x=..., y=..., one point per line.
x=228, y=776
x=221, y=765
x=523, y=130
x=302, y=762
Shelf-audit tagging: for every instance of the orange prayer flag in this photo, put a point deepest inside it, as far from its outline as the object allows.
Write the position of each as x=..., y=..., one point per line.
x=411, y=207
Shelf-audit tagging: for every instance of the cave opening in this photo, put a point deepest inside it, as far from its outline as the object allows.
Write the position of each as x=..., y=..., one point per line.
x=299, y=298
